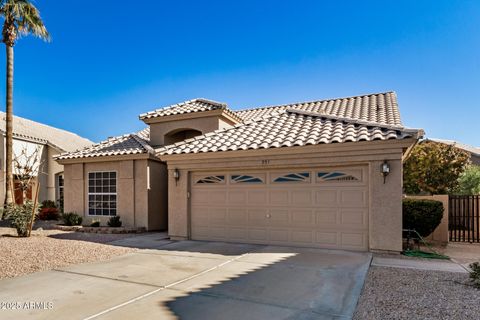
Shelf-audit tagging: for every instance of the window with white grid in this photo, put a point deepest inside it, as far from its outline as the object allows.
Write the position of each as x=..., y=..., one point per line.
x=102, y=193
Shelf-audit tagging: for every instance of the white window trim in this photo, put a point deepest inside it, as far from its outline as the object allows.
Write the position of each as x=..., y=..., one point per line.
x=102, y=193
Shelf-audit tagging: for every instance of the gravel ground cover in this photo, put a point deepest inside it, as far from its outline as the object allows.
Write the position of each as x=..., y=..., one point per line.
x=397, y=293
x=49, y=249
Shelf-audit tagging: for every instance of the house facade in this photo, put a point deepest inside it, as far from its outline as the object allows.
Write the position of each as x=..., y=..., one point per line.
x=40, y=143
x=324, y=173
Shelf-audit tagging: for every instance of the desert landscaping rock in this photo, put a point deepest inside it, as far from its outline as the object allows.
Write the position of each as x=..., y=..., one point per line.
x=49, y=249
x=395, y=293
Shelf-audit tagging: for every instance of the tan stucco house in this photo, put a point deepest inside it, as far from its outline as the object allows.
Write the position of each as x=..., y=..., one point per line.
x=322, y=173
x=34, y=139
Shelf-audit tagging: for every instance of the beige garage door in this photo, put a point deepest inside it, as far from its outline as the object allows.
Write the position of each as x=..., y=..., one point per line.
x=324, y=207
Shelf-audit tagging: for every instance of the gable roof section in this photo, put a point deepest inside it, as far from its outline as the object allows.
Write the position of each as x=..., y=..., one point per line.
x=129, y=144
x=38, y=132
x=378, y=107
x=190, y=106
x=466, y=147
x=289, y=128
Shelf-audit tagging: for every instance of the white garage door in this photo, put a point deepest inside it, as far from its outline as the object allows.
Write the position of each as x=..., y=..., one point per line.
x=326, y=208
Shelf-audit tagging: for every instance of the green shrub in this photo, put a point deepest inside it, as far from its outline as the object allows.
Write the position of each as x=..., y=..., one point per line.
x=475, y=274
x=114, y=222
x=422, y=215
x=20, y=216
x=72, y=219
x=95, y=223
x=49, y=204
x=469, y=181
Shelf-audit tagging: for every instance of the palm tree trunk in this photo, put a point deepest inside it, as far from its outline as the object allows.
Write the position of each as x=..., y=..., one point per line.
x=9, y=128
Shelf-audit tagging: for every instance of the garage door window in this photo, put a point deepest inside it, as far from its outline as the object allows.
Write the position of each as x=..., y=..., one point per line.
x=247, y=179
x=102, y=193
x=292, y=177
x=211, y=179
x=335, y=176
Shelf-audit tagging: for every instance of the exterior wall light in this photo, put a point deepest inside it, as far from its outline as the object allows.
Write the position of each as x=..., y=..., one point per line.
x=176, y=175
x=385, y=170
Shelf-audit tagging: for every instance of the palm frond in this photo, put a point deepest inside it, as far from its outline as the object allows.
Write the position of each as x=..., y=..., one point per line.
x=25, y=17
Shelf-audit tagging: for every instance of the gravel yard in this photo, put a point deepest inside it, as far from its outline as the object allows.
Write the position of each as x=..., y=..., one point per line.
x=396, y=293
x=48, y=249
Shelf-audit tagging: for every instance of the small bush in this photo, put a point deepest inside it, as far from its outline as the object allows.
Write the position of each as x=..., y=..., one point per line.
x=49, y=204
x=475, y=274
x=95, y=223
x=72, y=219
x=422, y=215
x=20, y=216
x=48, y=213
x=114, y=222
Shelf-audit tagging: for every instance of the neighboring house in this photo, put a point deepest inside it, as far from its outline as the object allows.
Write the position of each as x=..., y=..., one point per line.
x=30, y=136
x=303, y=174
x=473, y=151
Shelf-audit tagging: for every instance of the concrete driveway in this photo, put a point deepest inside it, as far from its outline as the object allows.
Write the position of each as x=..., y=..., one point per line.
x=197, y=280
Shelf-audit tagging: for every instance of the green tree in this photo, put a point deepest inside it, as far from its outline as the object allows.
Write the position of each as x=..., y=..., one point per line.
x=21, y=18
x=469, y=181
x=434, y=168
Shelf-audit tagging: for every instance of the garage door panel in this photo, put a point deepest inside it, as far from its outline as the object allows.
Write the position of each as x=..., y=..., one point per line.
x=326, y=238
x=258, y=234
x=280, y=235
x=355, y=217
x=257, y=197
x=217, y=216
x=326, y=198
x=301, y=198
x=301, y=217
x=239, y=234
x=237, y=197
x=302, y=236
x=327, y=216
x=330, y=211
x=352, y=240
x=237, y=217
x=279, y=197
x=279, y=217
x=257, y=216
x=200, y=197
x=355, y=198
x=218, y=197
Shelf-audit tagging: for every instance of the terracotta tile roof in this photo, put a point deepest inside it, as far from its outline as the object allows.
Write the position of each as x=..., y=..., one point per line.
x=129, y=144
x=41, y=133
x=194, y=105
x=379, y=107
x=289, y=128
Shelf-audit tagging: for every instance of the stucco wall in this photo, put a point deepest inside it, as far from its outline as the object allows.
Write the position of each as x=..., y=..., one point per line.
x=53, y=168
x=159, y=130
x=136, y=205
x=385, y=205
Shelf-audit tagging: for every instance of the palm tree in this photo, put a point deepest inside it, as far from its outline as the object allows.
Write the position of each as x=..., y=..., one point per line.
x=21, y=18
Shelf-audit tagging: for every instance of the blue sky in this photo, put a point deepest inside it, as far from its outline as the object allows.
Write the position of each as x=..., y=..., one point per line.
x=109, y=61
